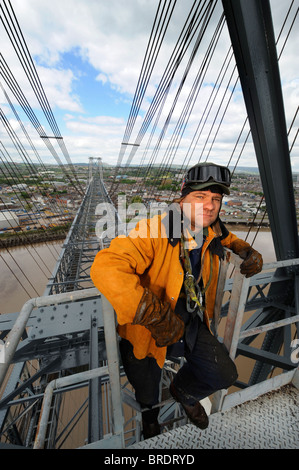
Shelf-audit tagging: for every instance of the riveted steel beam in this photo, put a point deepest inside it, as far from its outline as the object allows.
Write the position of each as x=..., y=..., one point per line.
x=252, y=35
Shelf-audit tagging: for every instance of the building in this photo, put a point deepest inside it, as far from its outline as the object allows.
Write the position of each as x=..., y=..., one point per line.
x=234, y=202
x=19, y=187
x=8, y=220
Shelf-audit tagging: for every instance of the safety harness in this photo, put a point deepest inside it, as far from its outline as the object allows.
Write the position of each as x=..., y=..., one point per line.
x=194, y=289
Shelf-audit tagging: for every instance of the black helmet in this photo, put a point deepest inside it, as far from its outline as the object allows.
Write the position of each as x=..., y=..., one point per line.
x=203, y=175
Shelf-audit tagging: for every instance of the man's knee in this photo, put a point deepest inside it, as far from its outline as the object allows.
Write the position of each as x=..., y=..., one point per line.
x=229, y=374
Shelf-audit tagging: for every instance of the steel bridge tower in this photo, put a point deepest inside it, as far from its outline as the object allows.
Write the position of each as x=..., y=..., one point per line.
x=64, y=343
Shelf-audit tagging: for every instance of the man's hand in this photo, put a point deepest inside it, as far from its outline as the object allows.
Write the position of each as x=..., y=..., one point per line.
x=165, y=326
x=253, y=260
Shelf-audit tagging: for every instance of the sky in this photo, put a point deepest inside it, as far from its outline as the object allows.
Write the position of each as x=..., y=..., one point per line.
x=89, y=54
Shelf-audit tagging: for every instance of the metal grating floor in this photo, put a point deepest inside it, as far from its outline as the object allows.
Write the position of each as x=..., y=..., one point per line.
x=269, y=422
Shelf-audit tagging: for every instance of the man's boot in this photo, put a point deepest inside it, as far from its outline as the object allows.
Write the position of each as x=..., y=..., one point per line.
x=196, y=413
x=150, y=429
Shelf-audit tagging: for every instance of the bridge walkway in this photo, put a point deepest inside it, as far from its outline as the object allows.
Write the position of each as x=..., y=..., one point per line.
x=271, y=421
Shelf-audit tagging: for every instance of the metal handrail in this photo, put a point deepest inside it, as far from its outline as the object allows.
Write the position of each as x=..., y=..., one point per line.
x=15, y=334
x=112, y=369
x=48, y=395
x=238, y=299
x=233, y=334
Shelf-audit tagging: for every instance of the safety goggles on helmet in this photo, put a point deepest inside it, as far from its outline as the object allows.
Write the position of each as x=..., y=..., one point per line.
x=202, y=173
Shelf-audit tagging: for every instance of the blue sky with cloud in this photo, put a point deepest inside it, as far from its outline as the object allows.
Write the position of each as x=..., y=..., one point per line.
x=89, y=56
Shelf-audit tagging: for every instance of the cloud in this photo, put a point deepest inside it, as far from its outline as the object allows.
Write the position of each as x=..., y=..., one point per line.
x=58, y=84
x=106, y=34
x=92, y=52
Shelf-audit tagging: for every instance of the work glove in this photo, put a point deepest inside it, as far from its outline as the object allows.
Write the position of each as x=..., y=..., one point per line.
x=253, y=260
x=165, y=326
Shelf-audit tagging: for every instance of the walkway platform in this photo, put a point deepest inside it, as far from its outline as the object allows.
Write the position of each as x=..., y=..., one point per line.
x=268, y=422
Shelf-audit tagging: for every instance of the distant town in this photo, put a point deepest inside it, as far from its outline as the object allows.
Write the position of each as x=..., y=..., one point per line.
x=43, y=205
x=37, y=205
x=244, y=206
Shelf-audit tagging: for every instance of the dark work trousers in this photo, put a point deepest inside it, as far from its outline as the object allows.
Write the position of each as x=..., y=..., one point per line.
x=207, y=368
x=144, y=375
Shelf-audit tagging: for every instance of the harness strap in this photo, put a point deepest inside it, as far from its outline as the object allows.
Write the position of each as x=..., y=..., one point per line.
x=194, y=292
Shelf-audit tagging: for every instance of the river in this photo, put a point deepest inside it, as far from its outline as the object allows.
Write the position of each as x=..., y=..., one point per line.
x=25, y=272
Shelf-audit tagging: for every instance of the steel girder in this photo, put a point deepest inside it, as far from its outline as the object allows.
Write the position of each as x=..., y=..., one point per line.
x=252, y=35
x=251, y=31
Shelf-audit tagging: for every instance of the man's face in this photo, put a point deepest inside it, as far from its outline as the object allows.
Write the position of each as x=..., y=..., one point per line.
x=204, y=206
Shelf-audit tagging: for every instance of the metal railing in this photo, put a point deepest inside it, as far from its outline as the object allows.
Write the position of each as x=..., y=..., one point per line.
x=14, y=337
x=233, y=332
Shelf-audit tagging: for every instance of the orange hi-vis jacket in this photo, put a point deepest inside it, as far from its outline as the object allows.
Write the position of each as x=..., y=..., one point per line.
x=150, y=257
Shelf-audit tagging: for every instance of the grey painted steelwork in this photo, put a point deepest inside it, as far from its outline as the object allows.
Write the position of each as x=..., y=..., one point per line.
x=48, y=396
x=15, y=334
x=252, y=35
x=248, y=295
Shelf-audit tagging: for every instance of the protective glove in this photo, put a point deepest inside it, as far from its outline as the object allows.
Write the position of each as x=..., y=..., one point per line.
x=165, y=326
x=253, y=260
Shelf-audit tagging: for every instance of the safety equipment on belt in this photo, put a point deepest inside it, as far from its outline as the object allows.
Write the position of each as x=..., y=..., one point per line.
x=253, y=260
x=202, y=175
x=194, y=292
x=166, y=327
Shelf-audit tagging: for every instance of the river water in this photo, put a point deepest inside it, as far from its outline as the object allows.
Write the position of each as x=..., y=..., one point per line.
x=25, y=273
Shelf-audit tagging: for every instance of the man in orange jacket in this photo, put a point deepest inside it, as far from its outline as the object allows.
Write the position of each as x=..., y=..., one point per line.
x=161, y=280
